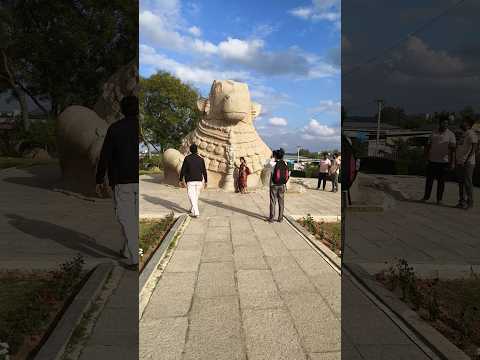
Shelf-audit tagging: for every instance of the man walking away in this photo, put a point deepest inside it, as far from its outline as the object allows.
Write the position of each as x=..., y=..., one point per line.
x=193, y=171
x=278, y=181
x=465, y=157
x=323, y=170
x=440, y=156
x=334, y=172
x=119, y=158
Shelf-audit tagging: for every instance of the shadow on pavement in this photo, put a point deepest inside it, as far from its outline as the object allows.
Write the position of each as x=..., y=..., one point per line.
x=228, y=207
x=61, y=235
x=429, y=203
x=165, y=203
x=39, y=176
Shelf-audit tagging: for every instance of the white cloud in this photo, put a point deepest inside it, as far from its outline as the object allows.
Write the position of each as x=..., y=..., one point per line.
x=417, y=58
x=163, y=33
x=327, y=10
x=187, y=73
x=278, y=121
x=302, y=12
x=160, y=28
x=315, y=129
x=195, y=31
x=240, y=50
x=327, y=106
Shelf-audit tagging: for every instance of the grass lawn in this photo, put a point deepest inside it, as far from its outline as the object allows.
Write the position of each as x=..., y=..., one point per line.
x=8, y=162
x=450, y=306
x=31, y=302
x=329, y=233
x=152, y=233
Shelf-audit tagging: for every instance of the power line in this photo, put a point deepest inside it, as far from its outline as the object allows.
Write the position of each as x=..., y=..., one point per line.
x=408, y=36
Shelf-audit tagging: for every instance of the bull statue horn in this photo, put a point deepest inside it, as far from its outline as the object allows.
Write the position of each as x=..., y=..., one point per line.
x=203, y=105
x=256, y=109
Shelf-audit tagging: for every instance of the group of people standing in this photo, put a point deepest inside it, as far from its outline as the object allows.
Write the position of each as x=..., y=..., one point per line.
x=193, y=176
x=329, y=169
x=445, y=152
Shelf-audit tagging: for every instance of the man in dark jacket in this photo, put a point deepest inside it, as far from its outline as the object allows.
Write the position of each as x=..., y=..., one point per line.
x=193, y=172
x=119, y=158
x=277, y=190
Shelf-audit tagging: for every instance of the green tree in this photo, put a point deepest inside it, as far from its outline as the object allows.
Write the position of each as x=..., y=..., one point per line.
x=169, y=110
x=63, y=51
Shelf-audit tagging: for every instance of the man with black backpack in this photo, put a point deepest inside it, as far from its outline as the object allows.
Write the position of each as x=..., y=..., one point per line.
x=278, y=181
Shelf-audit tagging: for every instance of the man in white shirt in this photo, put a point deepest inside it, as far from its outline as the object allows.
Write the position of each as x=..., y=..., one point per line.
x=440, y=156
x=465, y=158
x=323, y=169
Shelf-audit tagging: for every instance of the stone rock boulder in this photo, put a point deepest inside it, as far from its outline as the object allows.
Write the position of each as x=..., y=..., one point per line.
x=172, y=164
x=224, y=134
x=122, y=83
x=80, y=135
x=81, y=131
x=37, y=154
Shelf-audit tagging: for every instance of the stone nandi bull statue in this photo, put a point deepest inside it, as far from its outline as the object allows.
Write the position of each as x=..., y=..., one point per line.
x=81, y=131
x=225, y=133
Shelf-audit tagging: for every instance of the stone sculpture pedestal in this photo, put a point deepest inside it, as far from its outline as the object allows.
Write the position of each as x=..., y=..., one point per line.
x=229, y=183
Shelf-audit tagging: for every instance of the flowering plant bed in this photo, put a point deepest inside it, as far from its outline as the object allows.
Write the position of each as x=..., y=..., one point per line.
x=329, y=233
x=152, y=233
x=31, y=303
x=452, y=307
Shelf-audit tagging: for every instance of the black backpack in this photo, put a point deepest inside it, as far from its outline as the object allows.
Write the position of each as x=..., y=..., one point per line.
x=280, y=173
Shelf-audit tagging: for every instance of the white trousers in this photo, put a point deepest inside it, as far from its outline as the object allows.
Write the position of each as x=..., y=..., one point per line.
x=126, y=208
x=193, y=190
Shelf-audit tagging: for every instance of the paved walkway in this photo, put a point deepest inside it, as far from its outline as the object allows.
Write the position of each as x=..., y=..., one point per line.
x=237, y=285
x=433, y=238
x=115, y=332
x=157, y=199
x=41, y=228
x=367, y=333
x=240, y=288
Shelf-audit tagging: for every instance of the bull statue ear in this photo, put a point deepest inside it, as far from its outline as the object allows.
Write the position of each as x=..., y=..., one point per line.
x=256, y=109
x=203, y=105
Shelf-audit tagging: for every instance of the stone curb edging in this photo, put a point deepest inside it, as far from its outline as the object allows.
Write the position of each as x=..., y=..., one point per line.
x=157, y=256
x=432, y=338
x=324, y=218
x=329, y=254
x=56, y=343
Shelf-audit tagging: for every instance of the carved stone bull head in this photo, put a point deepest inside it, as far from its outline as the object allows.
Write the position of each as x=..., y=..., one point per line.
x=229, y=100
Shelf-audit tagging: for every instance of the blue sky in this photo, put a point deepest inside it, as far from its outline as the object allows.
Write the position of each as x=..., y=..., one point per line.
x=286, y=51
x=435, y=69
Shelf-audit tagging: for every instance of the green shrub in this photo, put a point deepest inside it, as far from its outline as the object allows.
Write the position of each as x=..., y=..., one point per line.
x=149, y=162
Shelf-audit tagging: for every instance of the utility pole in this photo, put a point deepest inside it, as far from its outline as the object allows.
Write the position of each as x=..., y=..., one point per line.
x=380, y=106
x=298, y=154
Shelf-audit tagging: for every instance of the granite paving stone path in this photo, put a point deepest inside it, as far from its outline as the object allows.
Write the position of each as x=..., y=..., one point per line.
x=235, y=288
x=157, y=199
x=238, y=287
x=436, y=240
x=40, y=228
